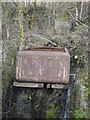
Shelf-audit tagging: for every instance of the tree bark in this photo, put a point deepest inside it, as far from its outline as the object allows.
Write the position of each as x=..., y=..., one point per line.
x=20, y=21
x=81, y=10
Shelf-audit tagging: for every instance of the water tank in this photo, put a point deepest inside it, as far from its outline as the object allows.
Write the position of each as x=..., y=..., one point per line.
x=43, y=65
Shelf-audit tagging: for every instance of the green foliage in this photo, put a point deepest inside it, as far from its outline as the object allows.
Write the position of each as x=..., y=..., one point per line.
x=86, y=95
x=81, y=113
x=63, y=15
x=83, y=76
x=51, y=112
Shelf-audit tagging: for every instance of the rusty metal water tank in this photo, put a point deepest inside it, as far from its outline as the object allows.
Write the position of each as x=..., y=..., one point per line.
x=43, y=65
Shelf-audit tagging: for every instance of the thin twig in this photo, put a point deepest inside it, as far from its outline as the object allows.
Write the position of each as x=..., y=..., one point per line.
x=76, y=19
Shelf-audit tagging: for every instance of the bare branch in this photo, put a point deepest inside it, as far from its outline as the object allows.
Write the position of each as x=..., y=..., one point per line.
x=76, y=19
x=44, y=39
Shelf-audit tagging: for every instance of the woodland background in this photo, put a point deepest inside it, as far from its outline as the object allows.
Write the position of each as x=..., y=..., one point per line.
x=26, y=25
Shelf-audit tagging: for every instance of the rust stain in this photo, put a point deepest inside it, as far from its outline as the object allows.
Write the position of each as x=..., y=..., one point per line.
x=64, y=73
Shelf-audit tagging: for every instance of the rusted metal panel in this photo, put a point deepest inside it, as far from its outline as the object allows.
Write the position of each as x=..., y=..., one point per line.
x=44, y=65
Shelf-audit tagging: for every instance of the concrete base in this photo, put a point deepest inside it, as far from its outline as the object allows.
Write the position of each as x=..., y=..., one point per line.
x=31, y=85
x=59, y=86
x=39, y=85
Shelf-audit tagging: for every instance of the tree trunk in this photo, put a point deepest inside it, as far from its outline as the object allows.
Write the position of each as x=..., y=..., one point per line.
x=20, y=21
x=77, y=14
x=81, y=10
